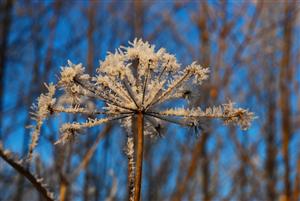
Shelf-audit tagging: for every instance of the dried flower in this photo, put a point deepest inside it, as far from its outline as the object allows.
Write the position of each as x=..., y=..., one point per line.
x=133, y=79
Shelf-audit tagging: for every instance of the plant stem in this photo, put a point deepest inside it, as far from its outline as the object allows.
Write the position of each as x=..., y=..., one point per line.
x=139, y=155
x=63, y=191
x=27, y=174
x=131, y=167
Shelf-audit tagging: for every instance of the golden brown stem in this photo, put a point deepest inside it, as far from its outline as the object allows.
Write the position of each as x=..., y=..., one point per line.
x=139, y=156
x=63, y=191
x=63, y=188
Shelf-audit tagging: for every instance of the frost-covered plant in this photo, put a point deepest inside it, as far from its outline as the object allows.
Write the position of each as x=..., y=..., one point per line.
x=136, y=83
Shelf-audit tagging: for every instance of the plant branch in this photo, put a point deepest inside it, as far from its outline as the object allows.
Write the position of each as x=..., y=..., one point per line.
x=19, y=168
x=87, y=157
x=129, y=90
x=158, y=116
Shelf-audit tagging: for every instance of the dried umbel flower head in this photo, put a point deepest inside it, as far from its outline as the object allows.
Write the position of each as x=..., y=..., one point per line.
x=135, y=83
x=133, y=79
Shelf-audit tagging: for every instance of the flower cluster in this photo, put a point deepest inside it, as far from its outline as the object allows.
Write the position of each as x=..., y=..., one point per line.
x=134, y=79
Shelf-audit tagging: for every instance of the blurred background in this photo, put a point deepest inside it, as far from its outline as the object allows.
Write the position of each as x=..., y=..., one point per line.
x=252, y=48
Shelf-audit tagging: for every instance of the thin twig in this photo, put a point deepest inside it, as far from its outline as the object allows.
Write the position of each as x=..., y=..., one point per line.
x=87, y=157
x=28, y=175
x=78, y=110
x=130, y=94
x=145, y=84
x=168, y=90
x=167, y=119
x=91, y=89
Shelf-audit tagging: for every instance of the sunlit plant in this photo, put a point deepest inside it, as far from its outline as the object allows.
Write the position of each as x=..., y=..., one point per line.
x=136, y=85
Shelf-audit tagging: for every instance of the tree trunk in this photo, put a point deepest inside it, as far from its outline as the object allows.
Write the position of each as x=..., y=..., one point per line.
x=285, y=94
x=5, y=26
x=138, y=18
x=205, y=52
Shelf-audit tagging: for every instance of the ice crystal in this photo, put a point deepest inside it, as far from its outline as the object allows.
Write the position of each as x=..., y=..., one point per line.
x=134, y=79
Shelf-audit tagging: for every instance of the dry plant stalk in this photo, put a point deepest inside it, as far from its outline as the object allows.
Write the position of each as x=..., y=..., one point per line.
x=37, y=182
x=139, y=155
x=136, y=83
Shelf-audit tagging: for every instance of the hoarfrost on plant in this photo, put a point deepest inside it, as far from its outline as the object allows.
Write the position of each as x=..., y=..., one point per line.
x=134, y=79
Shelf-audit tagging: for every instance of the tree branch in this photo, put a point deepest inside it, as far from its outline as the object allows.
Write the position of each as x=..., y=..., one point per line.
x=37, y=183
